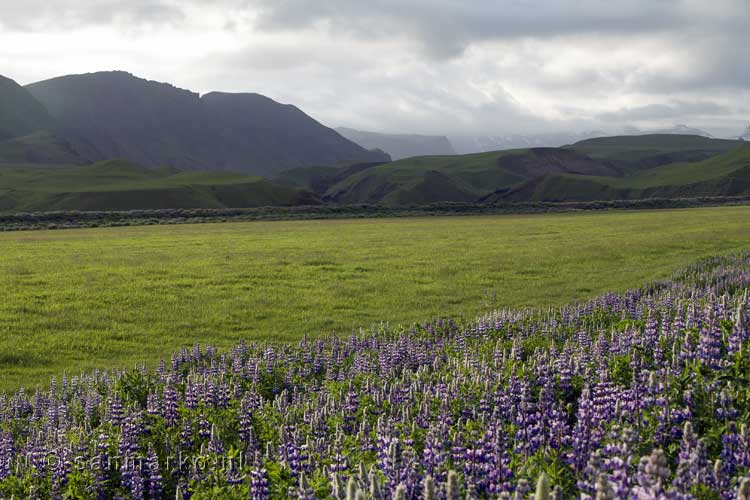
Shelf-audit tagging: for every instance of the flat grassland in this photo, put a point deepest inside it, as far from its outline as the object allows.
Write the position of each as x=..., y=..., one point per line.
x=111, y=297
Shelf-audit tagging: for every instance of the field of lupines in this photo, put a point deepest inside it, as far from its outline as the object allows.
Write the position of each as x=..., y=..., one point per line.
x=641, y=395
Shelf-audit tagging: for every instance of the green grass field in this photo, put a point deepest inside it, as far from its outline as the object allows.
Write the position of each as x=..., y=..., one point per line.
x=111, y=297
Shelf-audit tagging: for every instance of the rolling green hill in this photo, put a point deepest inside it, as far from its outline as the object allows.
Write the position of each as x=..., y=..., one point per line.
x=645, y=151
x=430, y=179
x=320, y=179
x=725, y=175
x=121, y=185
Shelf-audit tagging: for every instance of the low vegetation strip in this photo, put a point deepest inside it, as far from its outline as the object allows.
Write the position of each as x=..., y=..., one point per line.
x=86, y=298
x=114, y=218
x=635, y=395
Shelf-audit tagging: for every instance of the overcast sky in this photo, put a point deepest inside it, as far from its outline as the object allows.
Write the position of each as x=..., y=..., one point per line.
x=423, y=66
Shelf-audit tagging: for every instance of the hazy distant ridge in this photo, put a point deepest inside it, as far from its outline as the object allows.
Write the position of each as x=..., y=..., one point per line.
x=400, y=146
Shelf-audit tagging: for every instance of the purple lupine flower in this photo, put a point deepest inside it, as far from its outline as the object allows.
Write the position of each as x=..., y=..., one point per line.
x=7, y=454
x=304, y=490
x=653, y=473
x=246, y=433
x=710, y=345
x=101, y=466
x=581, y=437
x=169, y=407
x=215, y=444
x=259, y=483
x=154, y=478
x=115, y=415
x=685, y=476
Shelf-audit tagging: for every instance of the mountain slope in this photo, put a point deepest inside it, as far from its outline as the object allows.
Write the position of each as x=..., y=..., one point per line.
x=400, y=146
x=116, y=115
x=122, y=185
x=20, y=112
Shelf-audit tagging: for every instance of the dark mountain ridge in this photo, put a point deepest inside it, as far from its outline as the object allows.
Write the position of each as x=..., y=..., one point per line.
x=117, y=115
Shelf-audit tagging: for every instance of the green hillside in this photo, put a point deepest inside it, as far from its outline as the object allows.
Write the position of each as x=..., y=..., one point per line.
x=41, y=147
x=307, y=177
x=121, y=185
x=644, y=151
x=724, y=175
x=319, y=179
x=430, y=179
x=608, y=167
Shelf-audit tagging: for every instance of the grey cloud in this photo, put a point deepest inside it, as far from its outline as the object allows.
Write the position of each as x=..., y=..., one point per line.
x=715, y=63
x=42, y=15
x=677, y=109
x=447, y=27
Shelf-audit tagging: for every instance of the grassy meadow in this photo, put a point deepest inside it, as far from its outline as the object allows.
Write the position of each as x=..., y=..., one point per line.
x=112, y=297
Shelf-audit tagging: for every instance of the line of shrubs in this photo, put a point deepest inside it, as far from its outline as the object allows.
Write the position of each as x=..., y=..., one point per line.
x=80, y=219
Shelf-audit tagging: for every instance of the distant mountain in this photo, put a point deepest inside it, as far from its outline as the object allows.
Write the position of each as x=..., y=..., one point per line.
x=20, y=113
x=117, y=115
x=400, y=146
x=746, y=136
x=480, y=144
